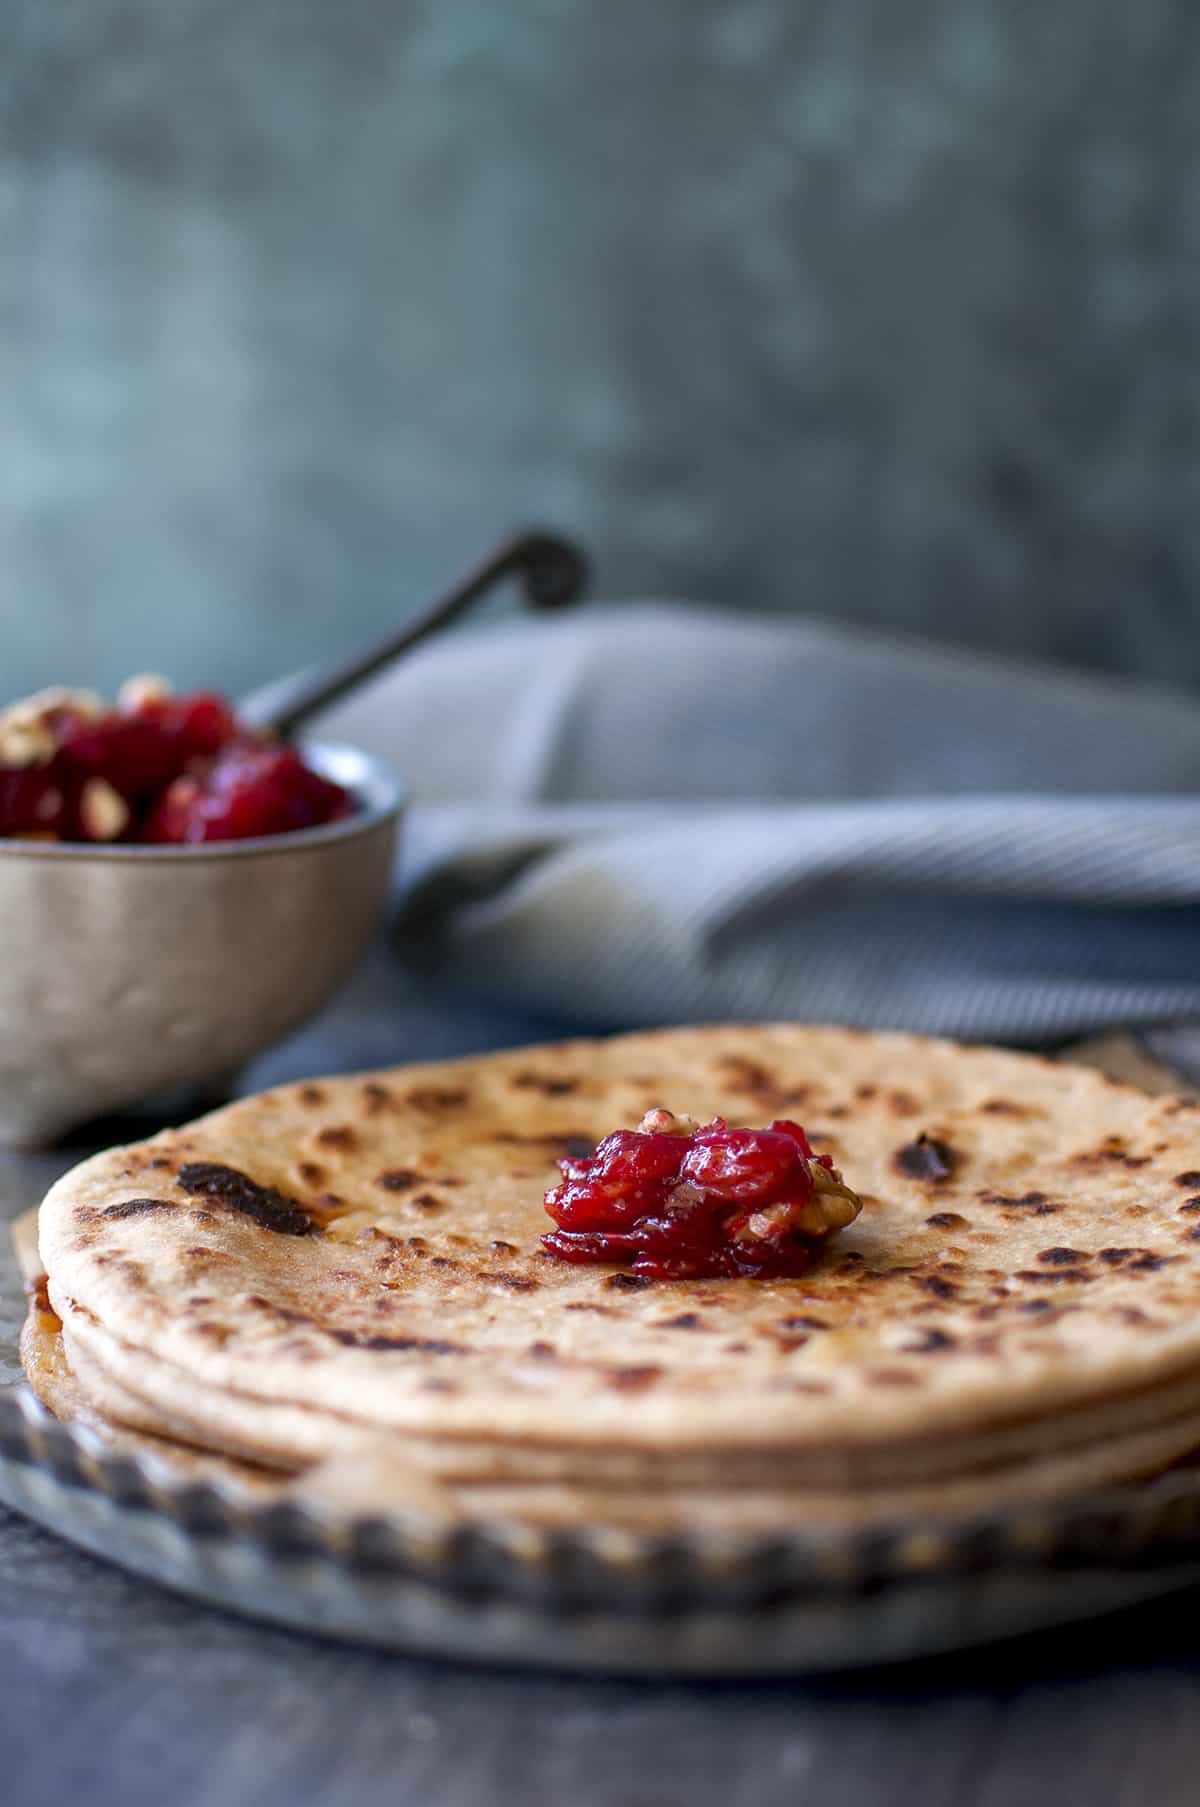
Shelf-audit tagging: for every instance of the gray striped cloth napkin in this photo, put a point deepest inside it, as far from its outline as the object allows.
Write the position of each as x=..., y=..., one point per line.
x=658, y=814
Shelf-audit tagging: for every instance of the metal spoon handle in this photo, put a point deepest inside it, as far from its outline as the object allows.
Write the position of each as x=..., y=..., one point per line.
x=552, y=572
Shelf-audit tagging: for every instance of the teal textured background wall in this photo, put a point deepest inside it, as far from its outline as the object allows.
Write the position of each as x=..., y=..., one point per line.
x=887, y=311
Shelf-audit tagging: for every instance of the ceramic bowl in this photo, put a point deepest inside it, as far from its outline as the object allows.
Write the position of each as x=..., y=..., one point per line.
x=125, y=971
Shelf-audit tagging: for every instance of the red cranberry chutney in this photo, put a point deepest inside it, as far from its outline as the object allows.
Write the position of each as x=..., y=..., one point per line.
x=680, y=1202
x=157, y=768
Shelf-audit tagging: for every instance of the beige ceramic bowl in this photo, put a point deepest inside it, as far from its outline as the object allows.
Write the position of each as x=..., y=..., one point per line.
x=128, y=970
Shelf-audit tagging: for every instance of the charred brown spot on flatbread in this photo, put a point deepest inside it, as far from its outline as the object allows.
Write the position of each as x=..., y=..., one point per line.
x=137, y=1207
x=1035, y=1202
x=927, y=1158
x=634, y=1378
x=576, y=1143
x=1046, y=1276
x=929, y=1342
x=742, y=1074
x=617, y=1283
x=547, y=1084
x=285, y=1314
x=375, y=1097
x=398, y=1179
x=338, y=1136
x=311, y=1095
x=500, y=1247
x=376, y=1233
x=893, y=1377
x=213, y=1332
x=880, y=1276
x=236, y=1190
x=311, y=1172
x=1062, y=1257
x=770, y=1091
x=1004, y=1107
x=325, y=1208
x=938, y=1286
x=1189, y=1179
x=517, y=1283
x=683, y=1320
x=542, y=1351
x=802, y=1321
x=948, y=1220
x=438, y=1098
x=428, y=1201
x=405, y=1345
x=1114, y=1148
x=1138, y=1261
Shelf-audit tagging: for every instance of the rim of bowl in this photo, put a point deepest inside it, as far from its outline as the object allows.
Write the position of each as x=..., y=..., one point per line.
x=379, y=793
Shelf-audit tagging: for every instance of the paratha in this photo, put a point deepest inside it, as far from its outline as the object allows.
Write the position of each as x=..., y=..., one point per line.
x=1018, y=1313
x=124, y=1421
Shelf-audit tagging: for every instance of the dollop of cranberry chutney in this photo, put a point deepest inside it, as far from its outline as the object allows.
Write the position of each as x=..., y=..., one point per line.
x=156, y=768
x=679, y=1202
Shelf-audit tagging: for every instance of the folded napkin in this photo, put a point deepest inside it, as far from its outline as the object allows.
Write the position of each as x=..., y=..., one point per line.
x=660, y=814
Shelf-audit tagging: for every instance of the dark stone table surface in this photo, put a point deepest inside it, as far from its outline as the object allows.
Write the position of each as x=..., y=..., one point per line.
x=112, y=1691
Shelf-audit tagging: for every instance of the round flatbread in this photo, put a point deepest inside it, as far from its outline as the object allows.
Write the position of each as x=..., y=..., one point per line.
x=1023, y=1280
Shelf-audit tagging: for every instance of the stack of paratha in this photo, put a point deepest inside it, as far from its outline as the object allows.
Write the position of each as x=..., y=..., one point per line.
x=343, y=1282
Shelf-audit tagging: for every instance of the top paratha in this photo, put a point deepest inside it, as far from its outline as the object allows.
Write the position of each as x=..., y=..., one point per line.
x=1041, y=1273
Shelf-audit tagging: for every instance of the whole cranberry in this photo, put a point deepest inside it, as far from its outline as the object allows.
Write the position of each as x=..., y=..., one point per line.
x=627, y=1158
x=195, y=726
x=250, y=790
x=584, y=1205
x=204, y=722
x=131, y=754
x=38, y=800
x=742, y=1165
x=786, y=1127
